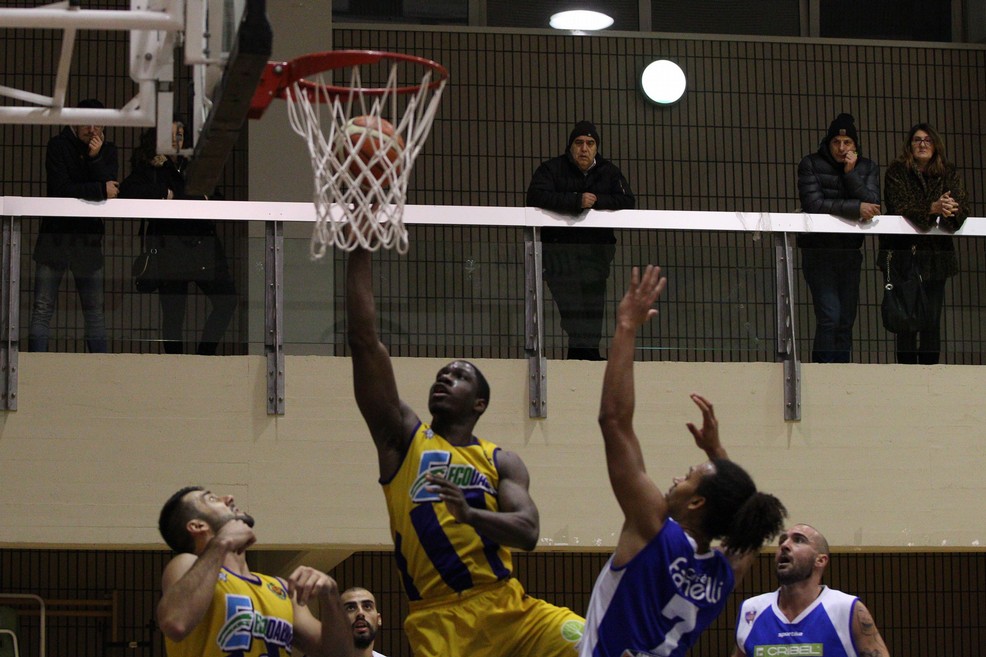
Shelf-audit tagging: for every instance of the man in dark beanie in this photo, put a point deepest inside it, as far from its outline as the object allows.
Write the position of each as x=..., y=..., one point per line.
x=577, y=260
x=80, y=163
x=836, y=180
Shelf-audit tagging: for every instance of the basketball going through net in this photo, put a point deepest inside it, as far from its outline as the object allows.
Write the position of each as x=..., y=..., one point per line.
x=363, y=135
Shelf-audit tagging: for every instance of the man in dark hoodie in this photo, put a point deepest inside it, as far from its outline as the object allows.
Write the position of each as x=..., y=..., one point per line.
x=577, y=260
x=80, y=163
x=836, y=180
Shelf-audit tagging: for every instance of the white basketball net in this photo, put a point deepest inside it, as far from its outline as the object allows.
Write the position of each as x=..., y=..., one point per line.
x=361, y=203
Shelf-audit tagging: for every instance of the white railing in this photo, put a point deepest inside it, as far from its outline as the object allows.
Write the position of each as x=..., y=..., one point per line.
x=460, y=215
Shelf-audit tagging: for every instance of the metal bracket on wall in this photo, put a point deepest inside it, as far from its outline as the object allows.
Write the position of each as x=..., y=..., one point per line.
x=787, y=351
x=274, y=315
x=537, y=365
x=10, y=322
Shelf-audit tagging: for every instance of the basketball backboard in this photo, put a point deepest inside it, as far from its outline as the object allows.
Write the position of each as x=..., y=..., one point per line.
x=225, y=45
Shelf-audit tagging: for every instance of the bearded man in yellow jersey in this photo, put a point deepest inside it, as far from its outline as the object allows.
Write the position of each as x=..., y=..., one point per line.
x=457, y=505
x=213, y=606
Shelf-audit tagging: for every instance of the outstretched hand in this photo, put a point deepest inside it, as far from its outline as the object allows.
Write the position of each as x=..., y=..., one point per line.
x=707, y=438
x=637, y=306
x=307, y=584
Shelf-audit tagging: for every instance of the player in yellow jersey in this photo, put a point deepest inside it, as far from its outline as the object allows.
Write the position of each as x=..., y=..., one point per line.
x=457, y=505
x=213, y=606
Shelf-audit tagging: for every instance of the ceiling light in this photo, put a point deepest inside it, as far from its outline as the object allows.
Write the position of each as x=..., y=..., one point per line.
x=663, y=81
x=580, y=20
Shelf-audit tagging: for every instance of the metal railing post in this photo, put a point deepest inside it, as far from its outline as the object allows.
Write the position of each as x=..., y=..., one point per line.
x=537, y=365
x=787, y=350
x=274, y=315
x=10, y=302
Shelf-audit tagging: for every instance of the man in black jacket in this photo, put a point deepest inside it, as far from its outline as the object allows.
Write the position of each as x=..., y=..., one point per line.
x=80, y=163
x=577, y=260
x=836, y=180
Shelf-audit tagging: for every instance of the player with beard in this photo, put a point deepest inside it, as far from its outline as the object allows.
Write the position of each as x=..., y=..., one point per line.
x=361, y=609
x=213, y=606
x=804, y=616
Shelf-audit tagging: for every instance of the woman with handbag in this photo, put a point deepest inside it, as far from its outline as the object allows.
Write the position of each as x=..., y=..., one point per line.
x=184, y=250
x=924, y=188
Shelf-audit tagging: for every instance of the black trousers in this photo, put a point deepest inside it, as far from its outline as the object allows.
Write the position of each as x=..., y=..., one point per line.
x=576, y=274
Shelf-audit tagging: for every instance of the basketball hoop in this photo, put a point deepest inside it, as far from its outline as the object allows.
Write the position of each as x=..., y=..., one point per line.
x=363, y=142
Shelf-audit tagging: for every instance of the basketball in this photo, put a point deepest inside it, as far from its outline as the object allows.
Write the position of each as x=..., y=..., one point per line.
x=375, y=142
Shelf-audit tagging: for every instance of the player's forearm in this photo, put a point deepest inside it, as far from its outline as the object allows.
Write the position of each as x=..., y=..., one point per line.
x=618, y=400
x=360, y=309
x=337, y=638
x=510, y=529
x=185, y=603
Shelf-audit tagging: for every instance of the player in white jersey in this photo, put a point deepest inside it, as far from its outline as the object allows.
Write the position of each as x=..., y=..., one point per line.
x=664, y=583
x=364, y=616
x=803, y=616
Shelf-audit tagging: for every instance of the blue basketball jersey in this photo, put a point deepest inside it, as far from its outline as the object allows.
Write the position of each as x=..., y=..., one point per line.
x=823, y=629
x=659, y=603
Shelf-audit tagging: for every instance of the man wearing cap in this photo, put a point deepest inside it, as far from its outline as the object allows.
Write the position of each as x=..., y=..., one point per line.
x=577, y=260
x=836, y=180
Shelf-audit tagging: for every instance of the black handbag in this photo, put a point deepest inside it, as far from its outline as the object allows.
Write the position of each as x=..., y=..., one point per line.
x=905, y=306
x=145, y=266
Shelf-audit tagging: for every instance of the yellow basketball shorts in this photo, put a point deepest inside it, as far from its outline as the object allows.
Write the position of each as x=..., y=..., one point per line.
x=498, y=620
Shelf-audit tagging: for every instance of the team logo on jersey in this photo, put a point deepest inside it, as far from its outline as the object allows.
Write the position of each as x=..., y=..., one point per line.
x=692, y=584
x=790, y=650
x=749, y=617
x=277, y=590
x=244, y=624
x=572, y=630
x=439, y=462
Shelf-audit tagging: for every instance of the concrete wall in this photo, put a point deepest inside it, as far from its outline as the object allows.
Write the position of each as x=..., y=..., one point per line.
x=884, y=456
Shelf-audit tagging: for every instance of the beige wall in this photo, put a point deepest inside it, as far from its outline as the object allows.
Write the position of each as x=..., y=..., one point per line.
x=885, y=455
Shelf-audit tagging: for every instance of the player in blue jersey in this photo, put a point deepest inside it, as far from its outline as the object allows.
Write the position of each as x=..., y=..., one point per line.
x=457, y=504
x=803, y=616
x=665, y=583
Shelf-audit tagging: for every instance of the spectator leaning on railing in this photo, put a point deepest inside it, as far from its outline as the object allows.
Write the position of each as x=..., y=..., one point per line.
x=836, y=180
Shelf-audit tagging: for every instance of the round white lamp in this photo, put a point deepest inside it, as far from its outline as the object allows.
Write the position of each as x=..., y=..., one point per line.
x=580, y=20
x=663, y=82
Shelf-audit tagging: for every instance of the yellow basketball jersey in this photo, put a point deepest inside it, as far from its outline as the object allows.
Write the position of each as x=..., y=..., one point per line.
x=436, y=555
x=249, y=617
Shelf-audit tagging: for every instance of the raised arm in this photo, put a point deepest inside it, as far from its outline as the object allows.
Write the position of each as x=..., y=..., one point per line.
x=329, y=637
x=516, y=524
x=188, y=582
x=643, y=503
x=390, y=420
x=865, y=635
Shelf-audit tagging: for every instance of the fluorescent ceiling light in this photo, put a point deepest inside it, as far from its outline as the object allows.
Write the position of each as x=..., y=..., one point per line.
x=580, y=19
x=663, y=81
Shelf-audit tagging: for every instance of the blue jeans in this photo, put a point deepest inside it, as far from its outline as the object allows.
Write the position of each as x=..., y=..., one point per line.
x=833, y=278
x=47, y=280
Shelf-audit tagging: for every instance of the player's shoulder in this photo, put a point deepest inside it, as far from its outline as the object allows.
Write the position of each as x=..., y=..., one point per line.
x=830, y=595
x=759, y=602
x=177, y=567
